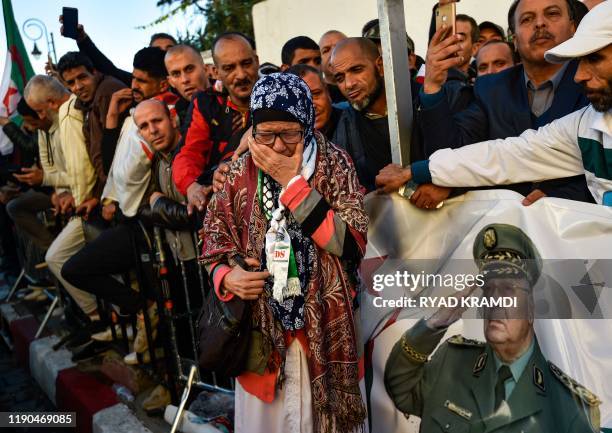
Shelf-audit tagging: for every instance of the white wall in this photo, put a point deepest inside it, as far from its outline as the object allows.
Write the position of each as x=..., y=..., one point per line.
x=276, y=21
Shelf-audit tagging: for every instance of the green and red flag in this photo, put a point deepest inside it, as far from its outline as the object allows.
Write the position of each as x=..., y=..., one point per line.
x=17, y=72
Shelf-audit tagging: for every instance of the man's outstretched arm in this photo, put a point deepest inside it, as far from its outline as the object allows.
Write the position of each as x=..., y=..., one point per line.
x=551, y=152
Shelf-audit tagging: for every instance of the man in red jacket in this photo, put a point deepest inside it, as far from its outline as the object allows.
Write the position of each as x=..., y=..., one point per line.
x=214, y=118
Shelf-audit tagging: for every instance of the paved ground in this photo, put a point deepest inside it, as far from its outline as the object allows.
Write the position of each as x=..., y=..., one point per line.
x=20, y=393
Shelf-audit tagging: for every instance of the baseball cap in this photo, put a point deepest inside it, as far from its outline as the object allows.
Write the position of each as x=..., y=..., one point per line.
x=594, y=33
x=491, y=25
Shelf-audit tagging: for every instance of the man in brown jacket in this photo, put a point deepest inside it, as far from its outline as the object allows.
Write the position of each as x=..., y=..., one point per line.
x=94, y=91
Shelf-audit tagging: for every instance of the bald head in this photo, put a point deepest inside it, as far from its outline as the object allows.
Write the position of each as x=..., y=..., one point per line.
x=156, y=125
x=357, y=46
x=327, y=43
x=186, y=70
x=237, y=66
x=228, y=41
x=358, y=71
x=183, y=49
x=332, y=33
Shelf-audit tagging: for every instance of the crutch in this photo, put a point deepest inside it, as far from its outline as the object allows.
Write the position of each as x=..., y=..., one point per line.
x=184, y=397
x=14, y=288
x=47, y=316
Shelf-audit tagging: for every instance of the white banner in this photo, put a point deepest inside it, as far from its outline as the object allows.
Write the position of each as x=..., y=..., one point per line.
x=575, y=241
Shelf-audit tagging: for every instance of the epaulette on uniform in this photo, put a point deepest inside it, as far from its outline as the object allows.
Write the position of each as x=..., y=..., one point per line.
x=580, y=393
x=460, y=340
x=585, y=395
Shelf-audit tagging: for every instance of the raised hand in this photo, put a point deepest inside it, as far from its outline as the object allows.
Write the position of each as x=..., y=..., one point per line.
x=282, y=168
x=446, y=316
x=441, y=56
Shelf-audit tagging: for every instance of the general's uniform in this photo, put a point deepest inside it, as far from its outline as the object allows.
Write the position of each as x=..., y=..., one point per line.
x=455, y=391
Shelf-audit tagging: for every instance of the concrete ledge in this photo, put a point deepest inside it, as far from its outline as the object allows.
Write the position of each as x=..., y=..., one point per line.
x=45, y=363
x=117, y=419
x=8, y=313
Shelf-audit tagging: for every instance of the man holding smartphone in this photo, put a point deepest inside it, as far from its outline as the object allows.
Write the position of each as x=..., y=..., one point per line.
x=529, y=95
x=73, y=30
x=577, y=144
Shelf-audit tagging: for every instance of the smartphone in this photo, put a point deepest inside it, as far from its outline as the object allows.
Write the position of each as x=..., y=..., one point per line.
x=14, y=170
x=70, y=19
x=445, y=15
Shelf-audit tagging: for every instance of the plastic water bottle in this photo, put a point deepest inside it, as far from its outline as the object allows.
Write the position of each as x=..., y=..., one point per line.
x=123, y=394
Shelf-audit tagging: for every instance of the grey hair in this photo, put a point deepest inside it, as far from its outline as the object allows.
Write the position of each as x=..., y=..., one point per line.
x=41, y=88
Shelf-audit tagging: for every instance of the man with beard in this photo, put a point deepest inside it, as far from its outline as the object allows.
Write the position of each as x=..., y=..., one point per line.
x=577, y=144
x=73, y=176
x=44, y=95
x=363, y=129
x=529, y=95
x=214, y=119
x=186, y=74
x=505, y=384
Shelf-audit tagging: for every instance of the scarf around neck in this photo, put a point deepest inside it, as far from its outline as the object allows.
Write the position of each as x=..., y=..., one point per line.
x=287, y=94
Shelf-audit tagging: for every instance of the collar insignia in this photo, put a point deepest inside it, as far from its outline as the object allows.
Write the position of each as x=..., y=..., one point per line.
x=481, y=361
x=538, y=378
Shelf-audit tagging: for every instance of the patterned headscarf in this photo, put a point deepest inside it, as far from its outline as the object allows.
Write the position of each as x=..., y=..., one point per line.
x=286, y=92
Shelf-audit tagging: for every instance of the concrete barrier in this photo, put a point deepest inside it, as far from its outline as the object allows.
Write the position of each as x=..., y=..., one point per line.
x=45, y=363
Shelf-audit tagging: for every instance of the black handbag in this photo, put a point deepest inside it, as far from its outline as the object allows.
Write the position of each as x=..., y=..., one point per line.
x=224, y=330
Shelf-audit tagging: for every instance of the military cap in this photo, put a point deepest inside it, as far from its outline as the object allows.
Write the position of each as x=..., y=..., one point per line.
x=504, y=250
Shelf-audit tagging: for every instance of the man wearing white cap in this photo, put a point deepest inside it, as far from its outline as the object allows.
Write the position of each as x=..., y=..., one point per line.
x=579, y=143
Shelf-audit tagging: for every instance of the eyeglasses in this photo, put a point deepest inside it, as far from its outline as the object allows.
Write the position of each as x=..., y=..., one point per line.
x=268, y=138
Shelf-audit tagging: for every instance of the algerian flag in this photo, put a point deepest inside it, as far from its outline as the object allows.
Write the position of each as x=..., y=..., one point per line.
x=17, y=72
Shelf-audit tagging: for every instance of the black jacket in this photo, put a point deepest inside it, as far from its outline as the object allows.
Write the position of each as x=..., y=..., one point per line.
x=26, y=143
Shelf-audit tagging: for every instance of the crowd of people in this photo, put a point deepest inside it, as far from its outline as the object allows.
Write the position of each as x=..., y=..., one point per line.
x=269, y=165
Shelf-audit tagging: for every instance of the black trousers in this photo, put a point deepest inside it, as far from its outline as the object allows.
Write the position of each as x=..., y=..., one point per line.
x=10, y=261
x=112, y=252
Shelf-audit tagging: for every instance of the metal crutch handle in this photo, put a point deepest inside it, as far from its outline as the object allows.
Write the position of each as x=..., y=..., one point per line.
x=184, y=397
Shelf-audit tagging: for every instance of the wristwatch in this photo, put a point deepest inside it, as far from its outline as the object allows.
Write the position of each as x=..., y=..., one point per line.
x=408, y=189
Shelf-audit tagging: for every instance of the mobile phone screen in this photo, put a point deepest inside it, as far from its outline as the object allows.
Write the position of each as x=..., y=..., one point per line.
x=70, y=22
